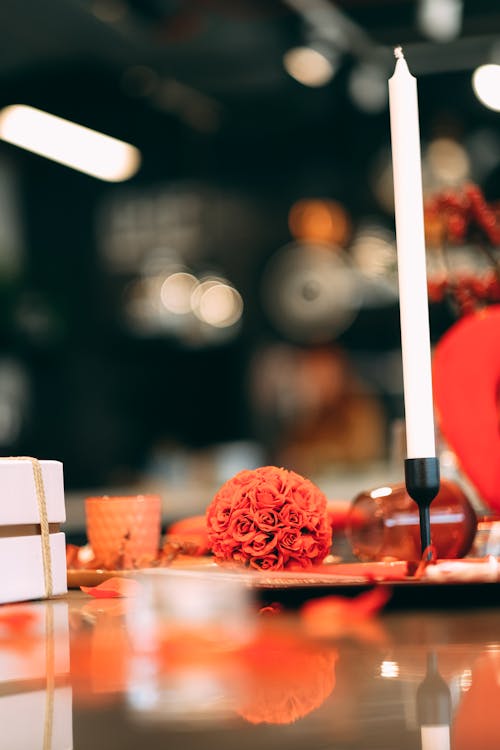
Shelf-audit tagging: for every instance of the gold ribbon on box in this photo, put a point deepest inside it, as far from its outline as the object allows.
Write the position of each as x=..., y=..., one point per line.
x=44, y=521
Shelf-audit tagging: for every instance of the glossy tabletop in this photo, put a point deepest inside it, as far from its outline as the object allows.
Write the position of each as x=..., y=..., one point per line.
x=404, y=679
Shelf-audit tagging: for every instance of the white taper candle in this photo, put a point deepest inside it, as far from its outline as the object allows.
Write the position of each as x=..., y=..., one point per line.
x=410, y=237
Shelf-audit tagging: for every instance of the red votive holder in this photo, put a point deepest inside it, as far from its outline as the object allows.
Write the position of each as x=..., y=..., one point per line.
x=123, y=530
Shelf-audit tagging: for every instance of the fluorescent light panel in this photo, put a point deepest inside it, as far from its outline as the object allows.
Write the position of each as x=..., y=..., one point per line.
x=67, y=143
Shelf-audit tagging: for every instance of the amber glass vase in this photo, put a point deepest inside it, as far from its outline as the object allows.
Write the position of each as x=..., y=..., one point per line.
x=383, y=523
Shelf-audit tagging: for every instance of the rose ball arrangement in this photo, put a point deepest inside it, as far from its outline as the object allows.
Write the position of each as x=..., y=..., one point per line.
x=270, y=519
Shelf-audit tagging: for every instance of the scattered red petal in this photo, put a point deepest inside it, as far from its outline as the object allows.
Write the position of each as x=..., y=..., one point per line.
x=336, y=615
x=112, y=588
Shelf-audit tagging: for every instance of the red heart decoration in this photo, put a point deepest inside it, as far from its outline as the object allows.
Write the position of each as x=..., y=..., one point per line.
x=466, y=377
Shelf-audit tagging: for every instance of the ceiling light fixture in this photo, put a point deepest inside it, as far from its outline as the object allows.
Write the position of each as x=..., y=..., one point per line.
x=67, y=143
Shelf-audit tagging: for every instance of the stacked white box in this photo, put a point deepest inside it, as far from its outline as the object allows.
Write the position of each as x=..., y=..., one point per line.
x=21, y=557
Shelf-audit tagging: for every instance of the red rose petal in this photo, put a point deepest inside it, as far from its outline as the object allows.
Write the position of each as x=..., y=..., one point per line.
x=113, y=587
x=326, y=615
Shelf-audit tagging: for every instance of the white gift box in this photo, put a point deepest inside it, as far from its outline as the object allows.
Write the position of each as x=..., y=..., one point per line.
x=21, y=543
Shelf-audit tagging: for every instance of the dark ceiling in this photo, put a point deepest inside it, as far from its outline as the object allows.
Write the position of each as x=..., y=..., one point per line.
x=138, y=68
x=226, y=48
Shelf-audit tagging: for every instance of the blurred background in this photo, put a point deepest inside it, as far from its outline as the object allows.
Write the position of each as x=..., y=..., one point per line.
x=225, y=294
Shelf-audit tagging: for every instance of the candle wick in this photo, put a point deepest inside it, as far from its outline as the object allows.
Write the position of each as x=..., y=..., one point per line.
x=398, y=53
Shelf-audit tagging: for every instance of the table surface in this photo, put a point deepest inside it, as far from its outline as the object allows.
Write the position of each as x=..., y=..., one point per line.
x=363, y=686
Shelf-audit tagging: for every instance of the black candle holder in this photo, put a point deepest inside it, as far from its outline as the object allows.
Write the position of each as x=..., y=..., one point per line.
x=422, y=485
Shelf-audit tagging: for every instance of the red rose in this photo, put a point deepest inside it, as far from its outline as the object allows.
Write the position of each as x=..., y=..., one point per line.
x=269, y=518
x=218, y=518
x=264, y=496
x=290, y=515
x=272, y=561
x=241, y=526
x=260, y=545
x=311, y=547
x=291, y=539
x=268, y=497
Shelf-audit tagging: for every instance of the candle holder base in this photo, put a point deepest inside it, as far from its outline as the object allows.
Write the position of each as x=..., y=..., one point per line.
x=422, y=484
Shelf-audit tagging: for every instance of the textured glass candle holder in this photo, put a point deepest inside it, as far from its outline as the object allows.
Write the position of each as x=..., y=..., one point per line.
x=124, y=530
x=384, y=524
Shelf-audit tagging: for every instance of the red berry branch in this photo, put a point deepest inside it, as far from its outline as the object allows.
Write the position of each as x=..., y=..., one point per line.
x=457, y=218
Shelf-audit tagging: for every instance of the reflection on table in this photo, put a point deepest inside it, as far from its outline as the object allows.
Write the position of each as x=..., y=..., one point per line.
x=132, y=672
x=35, y=689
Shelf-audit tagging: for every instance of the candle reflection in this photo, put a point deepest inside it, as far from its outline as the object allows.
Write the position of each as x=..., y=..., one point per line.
x=434, y=708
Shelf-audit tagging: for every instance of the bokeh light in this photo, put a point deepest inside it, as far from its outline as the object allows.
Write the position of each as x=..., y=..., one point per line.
x=486, y=85
x=389, y=669
x=374, y=251
x=308, y=66
x=175, y=302
x=367, y=86
x=440, y=20
x=319, y=220
x=310, y=293
x=176, y=292
x=447, y=161
x=220, y=305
